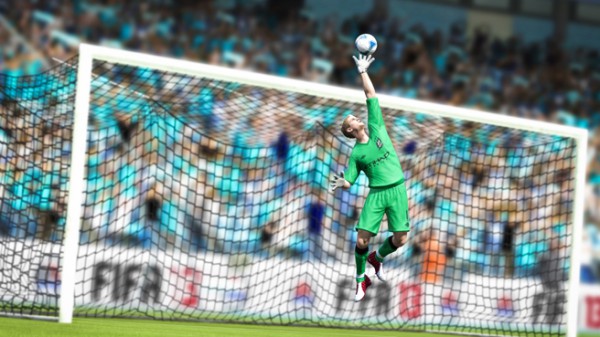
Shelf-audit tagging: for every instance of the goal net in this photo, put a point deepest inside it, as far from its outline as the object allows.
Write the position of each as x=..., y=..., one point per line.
x=141, y=186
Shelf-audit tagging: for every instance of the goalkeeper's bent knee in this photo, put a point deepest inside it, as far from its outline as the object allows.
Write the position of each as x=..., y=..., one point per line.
x=403, y=241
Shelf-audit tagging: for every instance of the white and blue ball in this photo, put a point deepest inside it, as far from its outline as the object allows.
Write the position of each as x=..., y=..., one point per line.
x=366, y=44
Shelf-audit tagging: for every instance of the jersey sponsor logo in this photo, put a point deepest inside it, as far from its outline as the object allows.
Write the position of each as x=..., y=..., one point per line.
x=379, y=143
x=378, y=160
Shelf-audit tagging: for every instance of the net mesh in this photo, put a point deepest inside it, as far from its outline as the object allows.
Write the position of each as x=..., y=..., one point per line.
x=207, y=199
x=35, y=140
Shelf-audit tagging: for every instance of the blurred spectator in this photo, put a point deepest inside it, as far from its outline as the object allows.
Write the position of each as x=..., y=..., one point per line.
x=453, y=266
x=495, y=229
x=508, y=239
x=126, y=126
x=590, y=255
x=417, y=248
x=550, y=302
x=345, y=223
x=434, y=258
x=266, y=236
x=316, y=214
x=282, y=147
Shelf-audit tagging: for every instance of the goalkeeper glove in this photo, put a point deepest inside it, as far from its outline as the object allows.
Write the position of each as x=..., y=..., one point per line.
x=337, y=181
x=363, y=62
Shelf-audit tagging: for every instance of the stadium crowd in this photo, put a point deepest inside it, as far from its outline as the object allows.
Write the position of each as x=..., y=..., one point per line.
x=213, y=182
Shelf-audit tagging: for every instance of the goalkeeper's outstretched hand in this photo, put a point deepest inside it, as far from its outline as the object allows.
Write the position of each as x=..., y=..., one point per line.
x=337, y=181
x=363, y=62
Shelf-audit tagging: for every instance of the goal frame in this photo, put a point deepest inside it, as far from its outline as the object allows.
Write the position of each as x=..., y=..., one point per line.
x=88, y=53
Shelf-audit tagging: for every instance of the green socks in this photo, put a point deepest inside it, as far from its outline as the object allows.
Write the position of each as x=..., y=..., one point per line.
x=361, y=261
x=361, y=257
x=386, y=249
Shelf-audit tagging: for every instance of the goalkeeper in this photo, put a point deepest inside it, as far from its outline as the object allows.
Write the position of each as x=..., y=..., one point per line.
x=374, y=154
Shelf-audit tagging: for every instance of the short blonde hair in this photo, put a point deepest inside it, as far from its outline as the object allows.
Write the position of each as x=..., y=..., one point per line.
x=345, y=126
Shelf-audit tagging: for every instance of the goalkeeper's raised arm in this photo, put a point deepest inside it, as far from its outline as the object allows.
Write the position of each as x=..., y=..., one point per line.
x=354, y=127
x=362, y=63
x=375, y=117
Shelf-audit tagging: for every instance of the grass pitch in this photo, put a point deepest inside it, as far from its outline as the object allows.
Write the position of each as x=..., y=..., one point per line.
x=97, y=327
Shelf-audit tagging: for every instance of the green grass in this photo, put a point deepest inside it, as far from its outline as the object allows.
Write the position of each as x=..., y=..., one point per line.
x=97, y=327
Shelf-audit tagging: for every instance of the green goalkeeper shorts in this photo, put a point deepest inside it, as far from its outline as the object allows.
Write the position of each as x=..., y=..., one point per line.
x=392, y=201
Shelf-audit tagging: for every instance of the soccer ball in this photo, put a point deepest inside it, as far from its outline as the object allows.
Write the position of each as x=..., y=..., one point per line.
x=365, y=44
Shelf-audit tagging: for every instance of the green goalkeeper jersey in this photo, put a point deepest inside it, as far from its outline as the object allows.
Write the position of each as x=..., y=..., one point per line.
x=377, y=158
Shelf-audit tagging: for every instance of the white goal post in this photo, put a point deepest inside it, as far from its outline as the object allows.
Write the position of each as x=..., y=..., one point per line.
x=89, y=53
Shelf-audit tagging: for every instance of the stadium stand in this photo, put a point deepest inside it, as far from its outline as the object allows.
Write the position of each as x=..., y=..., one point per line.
x=537, y=80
